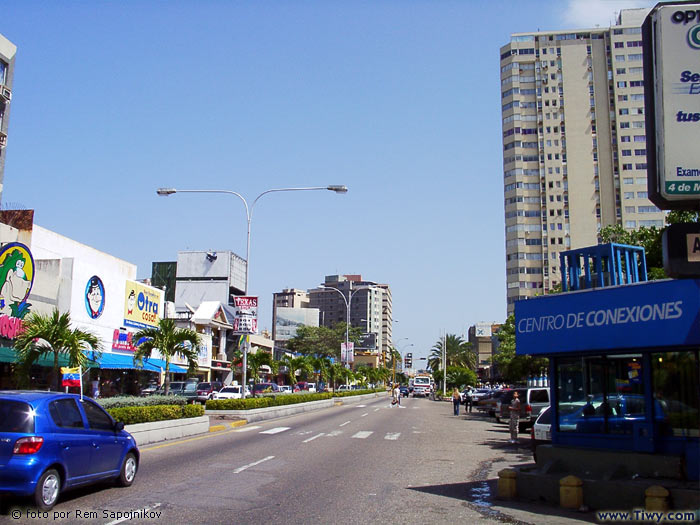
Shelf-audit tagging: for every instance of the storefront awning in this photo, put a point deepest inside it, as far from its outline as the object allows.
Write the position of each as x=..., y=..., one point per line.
x=9, y=355
x=111, y=361
x=155, y=365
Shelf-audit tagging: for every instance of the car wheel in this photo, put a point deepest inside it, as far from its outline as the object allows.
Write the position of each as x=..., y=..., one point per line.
x=128, y=470
x=47, y=490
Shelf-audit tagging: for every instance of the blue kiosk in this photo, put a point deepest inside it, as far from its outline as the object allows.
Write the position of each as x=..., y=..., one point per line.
x=623, y=357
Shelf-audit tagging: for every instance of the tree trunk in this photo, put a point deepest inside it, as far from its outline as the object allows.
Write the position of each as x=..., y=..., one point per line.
x=167, y=376
x=55, y=373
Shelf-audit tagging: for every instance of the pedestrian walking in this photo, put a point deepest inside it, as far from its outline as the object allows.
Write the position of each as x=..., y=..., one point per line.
x=514, y=417
x=456, y=399
x=397, y=395
x=468, y=403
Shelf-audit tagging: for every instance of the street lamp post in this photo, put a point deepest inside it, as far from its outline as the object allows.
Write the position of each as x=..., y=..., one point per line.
x=348, y=303
x=164, y=192
x=400, y=357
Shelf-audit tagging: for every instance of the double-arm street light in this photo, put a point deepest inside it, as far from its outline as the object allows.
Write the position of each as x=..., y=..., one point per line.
x=348, y=303
x=164, y=192
x=400, y=352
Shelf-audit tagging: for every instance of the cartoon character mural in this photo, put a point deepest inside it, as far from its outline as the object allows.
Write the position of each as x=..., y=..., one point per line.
x=95, y=297
x=16, y=279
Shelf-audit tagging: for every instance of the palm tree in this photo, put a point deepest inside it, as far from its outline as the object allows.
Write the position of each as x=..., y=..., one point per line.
x=297, y=364
x=52, y=334
x=255, y=362
x=320, y=367
x=458, y=353
x=168, y=340
x=335, y=371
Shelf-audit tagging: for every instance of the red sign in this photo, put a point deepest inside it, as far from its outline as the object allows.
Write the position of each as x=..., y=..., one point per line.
x=121, y=340
x=246, y=316
x=10, y=327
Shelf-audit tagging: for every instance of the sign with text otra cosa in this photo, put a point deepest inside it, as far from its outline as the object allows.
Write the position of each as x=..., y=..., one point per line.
x=246, y=317
x=142, y=305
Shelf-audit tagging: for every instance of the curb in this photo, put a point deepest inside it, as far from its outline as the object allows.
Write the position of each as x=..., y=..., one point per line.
x=233, y=424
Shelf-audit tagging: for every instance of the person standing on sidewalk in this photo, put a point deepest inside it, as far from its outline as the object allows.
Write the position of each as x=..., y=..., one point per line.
x=514, y=417
x=456, y=399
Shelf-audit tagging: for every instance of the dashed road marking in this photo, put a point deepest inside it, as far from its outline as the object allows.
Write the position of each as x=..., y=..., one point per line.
x=335, y=433
x=275, y=430
x=365, y=414
x=343, y=424
x=363, y=434
x=376, y=410
x=314, y=437
x=392, y=436
x=241, y=469
x=248, y=429
x=360, y=406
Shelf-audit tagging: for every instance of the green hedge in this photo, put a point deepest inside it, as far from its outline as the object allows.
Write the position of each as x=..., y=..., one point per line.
x=263, y=402
x=349, y=393
x=146, y=414
x=136, y=401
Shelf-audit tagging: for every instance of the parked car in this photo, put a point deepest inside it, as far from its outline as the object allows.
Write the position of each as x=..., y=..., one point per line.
x=305, y=387
x=344, y=388
x=150, y=389
x=265, y=388
x=176, y=388
x=228, y=392
x=188, y=391
x=532, y=402
x=206, y=390
x=489, y=403
x=285, y=389
x=541, y=432
x=51, y=442
x=479, y=394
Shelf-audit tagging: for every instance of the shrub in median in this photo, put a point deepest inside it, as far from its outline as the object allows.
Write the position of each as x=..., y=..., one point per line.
x=348, y=393
x=147, y=414
x=136, y=401
x=263, y=402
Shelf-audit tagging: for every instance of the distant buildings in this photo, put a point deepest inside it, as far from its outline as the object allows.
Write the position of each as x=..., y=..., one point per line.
x=7, y=68
x=484, y=342
x=574, y=145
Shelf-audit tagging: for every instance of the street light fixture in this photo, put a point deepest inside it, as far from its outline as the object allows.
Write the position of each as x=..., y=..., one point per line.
x=348, y=303
x=164, y=192
x=400, y=357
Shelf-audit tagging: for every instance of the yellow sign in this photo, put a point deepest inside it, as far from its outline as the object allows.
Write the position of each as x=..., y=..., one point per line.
x=142, y=305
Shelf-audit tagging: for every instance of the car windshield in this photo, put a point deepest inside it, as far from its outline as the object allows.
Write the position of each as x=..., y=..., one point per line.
x=190, y=387
x=203, y=386
x=233, y=389
x=16, y=416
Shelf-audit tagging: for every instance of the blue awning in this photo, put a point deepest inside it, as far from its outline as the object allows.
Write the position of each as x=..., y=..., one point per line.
x=111, y=361
x=155, y=365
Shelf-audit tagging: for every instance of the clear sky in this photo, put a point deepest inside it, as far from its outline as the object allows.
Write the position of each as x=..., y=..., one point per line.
x=399, y=100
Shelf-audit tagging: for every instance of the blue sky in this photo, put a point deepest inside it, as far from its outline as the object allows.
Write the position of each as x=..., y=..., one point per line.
x=399, y=100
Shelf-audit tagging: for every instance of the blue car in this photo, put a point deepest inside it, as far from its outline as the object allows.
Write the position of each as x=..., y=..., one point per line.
x=51, y=442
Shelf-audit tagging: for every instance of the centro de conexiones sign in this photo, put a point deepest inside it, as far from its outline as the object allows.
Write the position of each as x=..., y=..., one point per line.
x=645, y=315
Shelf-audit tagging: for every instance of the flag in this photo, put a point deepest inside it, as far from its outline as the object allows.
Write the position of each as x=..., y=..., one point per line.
x=71, y=376
x=242, y=339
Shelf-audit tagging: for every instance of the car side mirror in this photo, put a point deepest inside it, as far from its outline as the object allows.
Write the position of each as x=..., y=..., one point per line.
x=118, y=426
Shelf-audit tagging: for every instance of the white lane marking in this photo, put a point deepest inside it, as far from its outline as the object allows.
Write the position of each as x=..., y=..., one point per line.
x=335, y=433
x=342, y=425
x=417, y=432
x=241, y=469
x=314, y=437
x=365, y=414
x=276, y=430
x=360, y=406
x=304, y=432
x=248, y=429
x=136, y=512
x=363, y=434
x=392, y=436
x=376, y=410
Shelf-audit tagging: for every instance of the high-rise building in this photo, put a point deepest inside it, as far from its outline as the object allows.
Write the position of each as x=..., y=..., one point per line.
x=574, y=145
x=370, y=309
x=7, y=68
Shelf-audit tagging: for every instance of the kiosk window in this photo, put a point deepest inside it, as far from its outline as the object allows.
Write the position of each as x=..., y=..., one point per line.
x=601, y=395
x=676, y=383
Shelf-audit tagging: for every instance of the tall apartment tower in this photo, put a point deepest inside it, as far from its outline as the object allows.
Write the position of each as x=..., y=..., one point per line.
x=370, y=309
x=7, y=68
x=574, y=145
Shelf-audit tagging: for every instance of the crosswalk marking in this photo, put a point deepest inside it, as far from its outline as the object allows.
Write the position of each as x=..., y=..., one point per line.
x=313, y=437
x=335, y=433
x=248, y=429
x=360, y=406
x=276, y=430
x=392, y=436
x=363, y=434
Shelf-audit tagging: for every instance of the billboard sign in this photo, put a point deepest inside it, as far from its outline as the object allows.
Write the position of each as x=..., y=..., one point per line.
x=671, y=37
x=142, y=305
x=245, y=320
x=483, y=330
x=656, y=314
x=368, y=341
x=288, y=320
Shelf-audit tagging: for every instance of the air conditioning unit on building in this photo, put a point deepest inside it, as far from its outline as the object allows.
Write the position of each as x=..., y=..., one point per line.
x=6, y=93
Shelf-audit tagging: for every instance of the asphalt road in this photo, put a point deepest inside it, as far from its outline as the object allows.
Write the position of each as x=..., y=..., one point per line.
x=356, y=463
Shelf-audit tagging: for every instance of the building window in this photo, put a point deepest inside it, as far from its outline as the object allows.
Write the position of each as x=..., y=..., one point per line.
x=676, y=381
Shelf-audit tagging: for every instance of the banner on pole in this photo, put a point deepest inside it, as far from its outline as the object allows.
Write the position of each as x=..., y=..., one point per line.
x=246, y=316
x=347, y=353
